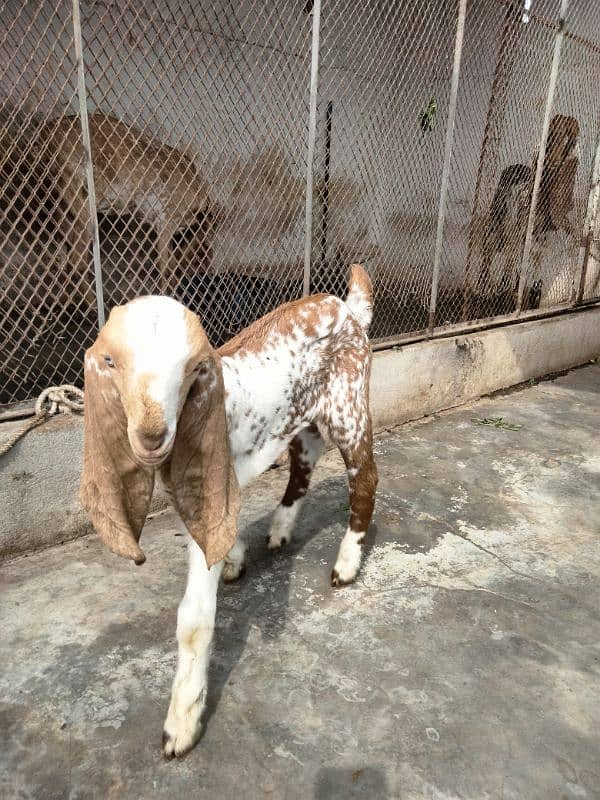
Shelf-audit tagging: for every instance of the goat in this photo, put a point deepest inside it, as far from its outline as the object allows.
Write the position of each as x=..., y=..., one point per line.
x=133, y=174
x=158, y=397
x=507, y=218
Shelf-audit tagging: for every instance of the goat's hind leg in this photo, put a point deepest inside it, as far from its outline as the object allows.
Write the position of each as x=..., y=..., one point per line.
x=362, y=484
x=305, y=450
x=195, y=626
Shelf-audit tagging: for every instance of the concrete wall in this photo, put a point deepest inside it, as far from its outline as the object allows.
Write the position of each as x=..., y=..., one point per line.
x=429, y=376
x=39, y=476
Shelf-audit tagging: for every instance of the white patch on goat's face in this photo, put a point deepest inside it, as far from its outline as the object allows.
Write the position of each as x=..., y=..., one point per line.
x=91, y=363
x=157, y=338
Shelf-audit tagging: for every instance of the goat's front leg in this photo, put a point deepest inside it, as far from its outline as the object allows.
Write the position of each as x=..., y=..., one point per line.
x=195, y=625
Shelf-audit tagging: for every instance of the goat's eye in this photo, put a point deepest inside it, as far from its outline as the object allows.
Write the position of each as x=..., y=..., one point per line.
x=109, y=362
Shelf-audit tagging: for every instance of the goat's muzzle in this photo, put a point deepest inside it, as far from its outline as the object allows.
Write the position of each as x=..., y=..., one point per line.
x=151, y=448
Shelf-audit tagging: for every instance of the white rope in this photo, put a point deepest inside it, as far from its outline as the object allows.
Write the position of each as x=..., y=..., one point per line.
x=65, y=399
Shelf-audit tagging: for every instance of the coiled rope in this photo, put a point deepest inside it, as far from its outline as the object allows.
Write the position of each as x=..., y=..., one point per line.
x=64, y=399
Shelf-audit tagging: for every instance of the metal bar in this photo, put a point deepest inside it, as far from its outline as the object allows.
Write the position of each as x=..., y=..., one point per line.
x=573, y=37
x=89, y=169
x=326, y=179
x=437, y=257
x=507, y=52
x=542, y=152
x=588, y=230
x=485, y=323
x=312, y=134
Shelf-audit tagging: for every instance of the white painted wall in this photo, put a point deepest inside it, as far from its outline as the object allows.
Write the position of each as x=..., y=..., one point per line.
x=229, y=80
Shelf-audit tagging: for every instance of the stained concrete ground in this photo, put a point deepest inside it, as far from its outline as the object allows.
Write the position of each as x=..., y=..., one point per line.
x=464, y=662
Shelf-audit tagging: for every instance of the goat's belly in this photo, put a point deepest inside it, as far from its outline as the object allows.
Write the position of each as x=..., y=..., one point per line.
x=250, y=465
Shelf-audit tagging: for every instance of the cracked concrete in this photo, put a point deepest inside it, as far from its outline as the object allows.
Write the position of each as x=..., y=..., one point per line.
x=464, y=663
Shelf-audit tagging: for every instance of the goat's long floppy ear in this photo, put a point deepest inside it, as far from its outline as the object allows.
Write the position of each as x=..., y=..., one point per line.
x=115, y=491
x=200, y=472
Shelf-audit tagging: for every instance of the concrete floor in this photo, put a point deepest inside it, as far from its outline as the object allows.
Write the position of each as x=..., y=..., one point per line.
x=464, y=663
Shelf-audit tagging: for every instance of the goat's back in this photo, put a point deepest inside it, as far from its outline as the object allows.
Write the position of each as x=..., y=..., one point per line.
x=288, y=319
x=316, y=317
x=127, y=165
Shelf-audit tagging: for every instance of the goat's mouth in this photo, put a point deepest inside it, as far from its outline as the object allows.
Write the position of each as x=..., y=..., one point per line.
x=151, y=458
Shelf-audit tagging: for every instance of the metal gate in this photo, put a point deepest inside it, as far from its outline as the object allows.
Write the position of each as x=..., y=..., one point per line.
x=237, y=154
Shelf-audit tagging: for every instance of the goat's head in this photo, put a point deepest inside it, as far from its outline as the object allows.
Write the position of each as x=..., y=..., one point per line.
x=154, y=397
x=149, y=353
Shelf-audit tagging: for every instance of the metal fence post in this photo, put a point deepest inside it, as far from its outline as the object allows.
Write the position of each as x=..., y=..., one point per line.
x=89, y=169
x=312, y=134
x=494, y=121
x=589, y=225
x=439, y=237
x=558, y=42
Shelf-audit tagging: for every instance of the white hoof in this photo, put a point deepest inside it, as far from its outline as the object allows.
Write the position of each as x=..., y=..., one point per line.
x=282, y=524
x=182, y=728
x=277, y=540
x=348, y=560
x=235, y=562
x=233, y=570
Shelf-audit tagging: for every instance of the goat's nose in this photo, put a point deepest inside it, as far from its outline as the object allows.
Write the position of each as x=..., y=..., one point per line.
x=151, y=439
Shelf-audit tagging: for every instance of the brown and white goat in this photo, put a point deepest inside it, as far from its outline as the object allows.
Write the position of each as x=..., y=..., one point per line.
x=507, y=219
x=157, y=397
x=133, y=174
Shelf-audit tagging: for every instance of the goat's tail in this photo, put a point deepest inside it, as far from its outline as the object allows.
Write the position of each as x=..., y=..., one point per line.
x=360, y=295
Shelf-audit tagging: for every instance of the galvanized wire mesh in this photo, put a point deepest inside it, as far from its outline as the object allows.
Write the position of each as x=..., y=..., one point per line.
x=498, y=278
x=41, y=288
x=571, y=151
x=383, y=91
x=495, y=232
x=199, y=123
x=223, y=96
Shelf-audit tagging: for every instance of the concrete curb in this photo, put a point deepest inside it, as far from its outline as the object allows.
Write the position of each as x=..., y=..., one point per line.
x=39, y=477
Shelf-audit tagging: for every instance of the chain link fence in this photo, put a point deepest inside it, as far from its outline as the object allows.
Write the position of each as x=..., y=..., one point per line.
x=237, y=154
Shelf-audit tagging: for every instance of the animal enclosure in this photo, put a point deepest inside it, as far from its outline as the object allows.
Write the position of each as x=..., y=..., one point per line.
x=236, y=155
